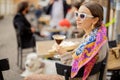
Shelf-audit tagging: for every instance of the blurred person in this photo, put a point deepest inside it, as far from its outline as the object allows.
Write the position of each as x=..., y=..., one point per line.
x=93, y=47
x=31, y=8
x=21, y=23
x=38, y=11
x=57, y=9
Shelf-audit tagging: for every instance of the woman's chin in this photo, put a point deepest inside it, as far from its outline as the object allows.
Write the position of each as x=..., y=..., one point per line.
x=79, y=27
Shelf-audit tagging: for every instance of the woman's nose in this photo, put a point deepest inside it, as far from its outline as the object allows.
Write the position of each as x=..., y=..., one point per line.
x=78, y=18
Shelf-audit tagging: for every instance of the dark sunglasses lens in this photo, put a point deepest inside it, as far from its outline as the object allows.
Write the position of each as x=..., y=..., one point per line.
x=82, y=16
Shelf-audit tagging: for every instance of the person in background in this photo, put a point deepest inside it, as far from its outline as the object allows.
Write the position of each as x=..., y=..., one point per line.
x=31, y=8
x=38, y=11
x=94, y=45
x=27, y=31
x=57, y=9
x=21, y=23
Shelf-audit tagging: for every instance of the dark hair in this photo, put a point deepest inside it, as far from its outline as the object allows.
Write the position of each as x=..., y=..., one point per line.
x=77, y=4
x=22, y=6
x=96, y=10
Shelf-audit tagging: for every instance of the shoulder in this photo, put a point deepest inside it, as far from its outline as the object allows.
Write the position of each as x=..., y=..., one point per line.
x=18, y=15
x=105, y=47
x=103, y=51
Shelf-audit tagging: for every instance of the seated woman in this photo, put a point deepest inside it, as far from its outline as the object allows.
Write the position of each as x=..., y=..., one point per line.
x=94, y=45
x=21, y=23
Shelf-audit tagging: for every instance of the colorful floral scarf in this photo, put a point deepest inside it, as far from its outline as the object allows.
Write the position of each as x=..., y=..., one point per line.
x=86, y=54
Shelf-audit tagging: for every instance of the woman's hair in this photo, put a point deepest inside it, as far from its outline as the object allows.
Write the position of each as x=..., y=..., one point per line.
x=22, y=6
x=76, y=4
x=96, y=10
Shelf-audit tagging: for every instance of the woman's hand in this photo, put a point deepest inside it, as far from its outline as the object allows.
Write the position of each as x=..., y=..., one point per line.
x=60, y=50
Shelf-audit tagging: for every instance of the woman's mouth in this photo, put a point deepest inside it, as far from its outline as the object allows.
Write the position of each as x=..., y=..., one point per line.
x=78, y=22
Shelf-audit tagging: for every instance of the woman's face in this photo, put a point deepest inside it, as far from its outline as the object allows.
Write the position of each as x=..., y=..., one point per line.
x=84, y=18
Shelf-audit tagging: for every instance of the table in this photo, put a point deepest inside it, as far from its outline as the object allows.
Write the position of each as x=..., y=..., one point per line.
x=42, y=47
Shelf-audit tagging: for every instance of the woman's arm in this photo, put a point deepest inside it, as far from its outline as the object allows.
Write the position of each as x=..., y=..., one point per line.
x=103, y=51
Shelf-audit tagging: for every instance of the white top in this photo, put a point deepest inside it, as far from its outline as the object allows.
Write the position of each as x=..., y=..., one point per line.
x=57, y=13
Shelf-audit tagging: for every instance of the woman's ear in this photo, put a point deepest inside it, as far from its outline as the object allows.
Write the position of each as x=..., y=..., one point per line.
x=95, y=20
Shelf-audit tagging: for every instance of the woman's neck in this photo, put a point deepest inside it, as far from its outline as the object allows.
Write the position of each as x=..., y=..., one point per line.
x=87, y=31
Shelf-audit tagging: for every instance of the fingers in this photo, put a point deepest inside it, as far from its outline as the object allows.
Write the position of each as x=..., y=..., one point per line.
x=60, y=50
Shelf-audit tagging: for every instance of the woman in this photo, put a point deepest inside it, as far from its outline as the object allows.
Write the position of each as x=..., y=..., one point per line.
x=21, y=23
x=93, y=47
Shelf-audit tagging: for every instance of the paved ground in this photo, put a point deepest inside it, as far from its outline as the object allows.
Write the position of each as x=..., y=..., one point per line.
x=8, y=48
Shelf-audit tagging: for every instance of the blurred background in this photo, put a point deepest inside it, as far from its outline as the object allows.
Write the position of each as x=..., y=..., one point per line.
x=41, y=21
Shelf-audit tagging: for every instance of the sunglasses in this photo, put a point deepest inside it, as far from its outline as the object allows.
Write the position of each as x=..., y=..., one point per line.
x=82, y=15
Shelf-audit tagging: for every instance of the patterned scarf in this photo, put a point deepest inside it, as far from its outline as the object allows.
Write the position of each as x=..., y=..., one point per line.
x=86, y=54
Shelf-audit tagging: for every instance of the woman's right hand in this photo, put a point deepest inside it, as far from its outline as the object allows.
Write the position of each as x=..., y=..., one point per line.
x=60, y=50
